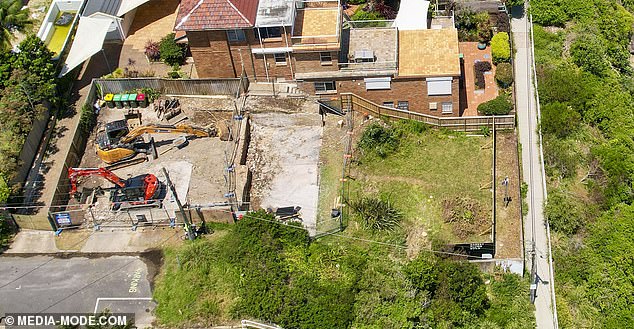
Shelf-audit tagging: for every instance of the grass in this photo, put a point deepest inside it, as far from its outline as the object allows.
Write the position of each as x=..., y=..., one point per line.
x=426, y=169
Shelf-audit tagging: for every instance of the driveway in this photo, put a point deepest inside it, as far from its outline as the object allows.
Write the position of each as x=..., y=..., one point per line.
x=79, y=284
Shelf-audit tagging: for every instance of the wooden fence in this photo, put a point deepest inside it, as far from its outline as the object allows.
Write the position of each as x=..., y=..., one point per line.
x=227, y=87
x=359, y=104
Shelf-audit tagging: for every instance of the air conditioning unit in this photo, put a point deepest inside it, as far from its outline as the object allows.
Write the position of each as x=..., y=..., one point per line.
x=433, y=106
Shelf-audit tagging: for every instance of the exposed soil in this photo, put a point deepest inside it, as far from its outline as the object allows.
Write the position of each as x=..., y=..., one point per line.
x=509, y=220
x=467, y=217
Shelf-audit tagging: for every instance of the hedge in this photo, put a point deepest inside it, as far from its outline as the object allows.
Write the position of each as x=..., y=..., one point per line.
x=501, y=48
x=500, y=105
x=504, y=74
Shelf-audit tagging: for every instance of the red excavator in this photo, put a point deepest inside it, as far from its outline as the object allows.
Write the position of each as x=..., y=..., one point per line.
x=141, y=190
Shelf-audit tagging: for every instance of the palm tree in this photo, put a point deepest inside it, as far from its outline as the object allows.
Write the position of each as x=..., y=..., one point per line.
x=12, y=17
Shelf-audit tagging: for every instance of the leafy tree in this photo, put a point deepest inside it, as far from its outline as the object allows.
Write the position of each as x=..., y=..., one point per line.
x=504, y=74
x=549, y=12
x=559, y=119
x=560, y=157
x=12, y=17
x=588, y=52
x=35, y=57
x=171, y=52
x=500, y=105
x=501, y=48
x=569, y=85
x=563, y=214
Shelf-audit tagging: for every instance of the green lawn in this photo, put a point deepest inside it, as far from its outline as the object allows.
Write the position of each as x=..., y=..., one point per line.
x=428, y=168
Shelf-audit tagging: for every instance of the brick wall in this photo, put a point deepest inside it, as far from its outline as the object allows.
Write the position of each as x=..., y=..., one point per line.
x=211, y=54
x=311, y=62
x=414, y=91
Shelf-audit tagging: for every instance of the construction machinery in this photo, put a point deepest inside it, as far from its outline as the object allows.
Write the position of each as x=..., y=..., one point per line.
x=142, y=190
x=117, y=142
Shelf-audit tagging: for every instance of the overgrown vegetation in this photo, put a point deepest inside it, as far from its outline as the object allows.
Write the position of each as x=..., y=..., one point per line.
x=259, y=269
x=380, y=139
x=473, y=26
x=504, y=74
x=377, y=213
x=27, y=82
x=587, y=96
x=500, y=105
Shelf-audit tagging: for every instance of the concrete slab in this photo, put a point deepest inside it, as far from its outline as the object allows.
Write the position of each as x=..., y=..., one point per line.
x=27, y=241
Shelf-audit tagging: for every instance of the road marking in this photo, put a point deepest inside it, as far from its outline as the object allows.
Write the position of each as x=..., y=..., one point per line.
x=135, y=281
x=99, y=299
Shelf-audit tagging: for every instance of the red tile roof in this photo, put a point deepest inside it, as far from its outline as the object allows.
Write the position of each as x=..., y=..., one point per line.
x=196, y=15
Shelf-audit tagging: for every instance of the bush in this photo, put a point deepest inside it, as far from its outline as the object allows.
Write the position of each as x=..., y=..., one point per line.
x=504, y=74
x=380, y=140
x=377, y=214
x=152, y=51
x=362, y=15
x=503, y=23
x=501, y=48
x=88, y=118
x=559, y=119
x=479, y=69
x=562, y=213
x=500, y=105
x=171, y=52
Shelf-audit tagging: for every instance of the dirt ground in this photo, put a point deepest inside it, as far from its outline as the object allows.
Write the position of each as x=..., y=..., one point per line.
x=196, y=169
x=284, y=156
x=509, y=220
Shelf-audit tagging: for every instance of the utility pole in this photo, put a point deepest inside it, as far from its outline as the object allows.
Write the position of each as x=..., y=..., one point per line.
x=188, y=227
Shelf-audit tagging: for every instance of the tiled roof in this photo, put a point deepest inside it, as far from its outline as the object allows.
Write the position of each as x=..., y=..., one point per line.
x=196, y=15
x=428, y=53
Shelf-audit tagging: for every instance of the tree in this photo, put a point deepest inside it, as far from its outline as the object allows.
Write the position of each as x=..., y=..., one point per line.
x=501, y=48
x=171, y=52
x=12, y=17
x=563, y=214
x=500, y=105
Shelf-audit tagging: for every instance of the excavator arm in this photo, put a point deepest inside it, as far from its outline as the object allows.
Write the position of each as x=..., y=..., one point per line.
x=75, y=173
x=167, y=129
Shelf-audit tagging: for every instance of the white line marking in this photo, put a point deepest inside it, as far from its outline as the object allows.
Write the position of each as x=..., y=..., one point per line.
x=117, y=298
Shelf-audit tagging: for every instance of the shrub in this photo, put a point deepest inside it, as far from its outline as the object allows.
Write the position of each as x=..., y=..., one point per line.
x=356, y=2
x=501, y=48
x=379, y=139
x=362, y=15
x=563, y=214
x=479, y=69
x=152, y=51
x=503, y=23
x=88, y=118
x=504, y=74
x=171, y=52
x=377, y=214
x=500, y=105
x=559, y=119
x=385, y=10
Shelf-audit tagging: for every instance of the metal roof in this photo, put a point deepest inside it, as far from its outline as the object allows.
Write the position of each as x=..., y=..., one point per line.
x=109, y=7
x=275, y=13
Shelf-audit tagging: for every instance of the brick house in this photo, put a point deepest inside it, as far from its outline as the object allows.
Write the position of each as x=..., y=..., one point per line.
x=401, y=64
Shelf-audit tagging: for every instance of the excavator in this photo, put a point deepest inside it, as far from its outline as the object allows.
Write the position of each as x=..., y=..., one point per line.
x=117, y=142
x=142, y=190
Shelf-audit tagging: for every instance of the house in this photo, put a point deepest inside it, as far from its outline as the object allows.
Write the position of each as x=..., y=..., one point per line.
x=402, y=63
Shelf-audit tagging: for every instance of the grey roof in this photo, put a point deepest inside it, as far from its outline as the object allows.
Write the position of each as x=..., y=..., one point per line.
x=109, y=7
x=275, y=13
x=381, y=41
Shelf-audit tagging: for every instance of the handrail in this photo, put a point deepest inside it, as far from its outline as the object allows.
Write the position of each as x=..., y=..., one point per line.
x=474, y=123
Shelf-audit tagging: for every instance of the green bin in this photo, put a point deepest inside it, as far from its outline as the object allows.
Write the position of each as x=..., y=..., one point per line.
x=117, y=101
x=109, y=100
x=132, y=100
x=141, y=100
x=125, y=100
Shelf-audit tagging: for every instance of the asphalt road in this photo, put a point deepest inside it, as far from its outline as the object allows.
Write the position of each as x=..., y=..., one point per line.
x=78, y=284
x=536, y=237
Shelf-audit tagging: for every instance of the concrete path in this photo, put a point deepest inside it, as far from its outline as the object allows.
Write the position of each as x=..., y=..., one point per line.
x=536, y=237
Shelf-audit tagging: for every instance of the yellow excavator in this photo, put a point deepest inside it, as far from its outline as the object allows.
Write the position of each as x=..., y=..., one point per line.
x=117, y=142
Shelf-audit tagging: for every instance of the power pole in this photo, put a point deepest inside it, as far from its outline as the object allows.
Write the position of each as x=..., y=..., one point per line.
x=188, y=227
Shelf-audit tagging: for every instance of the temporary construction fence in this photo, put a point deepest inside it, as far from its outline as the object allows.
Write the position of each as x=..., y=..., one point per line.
x=350, y=101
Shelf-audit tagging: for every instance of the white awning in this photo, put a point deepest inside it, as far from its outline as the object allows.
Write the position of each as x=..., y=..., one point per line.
x=377, y=83
x=272, y=50
x=412, y=15
x=439, y=86
x=91, y=32
x=129, y=5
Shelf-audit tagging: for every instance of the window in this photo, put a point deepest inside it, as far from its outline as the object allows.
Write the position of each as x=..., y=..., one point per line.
x=377, y=83
x=433, y=106
x=447, y=108
x=236, y=35
x=363, y=56
x=325, y=58
x=270, y=32
x=280, y=58
x=325, y=86
x=439, y=86
x=388, y=104
x=403, y=105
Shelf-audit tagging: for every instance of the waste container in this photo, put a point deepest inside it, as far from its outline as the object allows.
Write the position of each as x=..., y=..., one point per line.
x=132, y=100
x=140, y=99
x=117, y=101
x=125, y=100
x=109, y=100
